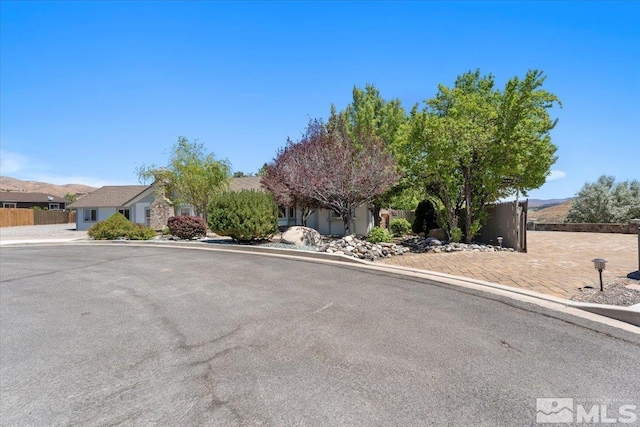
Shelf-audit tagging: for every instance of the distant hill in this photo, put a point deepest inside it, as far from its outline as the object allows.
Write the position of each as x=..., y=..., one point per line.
x=543, y=203
x=12, y=184
x=550, y=214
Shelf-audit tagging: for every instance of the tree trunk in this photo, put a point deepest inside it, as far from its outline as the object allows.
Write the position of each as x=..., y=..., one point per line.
x=375, y=211
x=346, y=219
x=305, y=214
x=468, y=219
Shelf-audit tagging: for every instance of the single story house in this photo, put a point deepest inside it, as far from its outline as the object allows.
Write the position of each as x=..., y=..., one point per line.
x=132, y=201
x=325, y=221
x=141, y=204
x=22, y=200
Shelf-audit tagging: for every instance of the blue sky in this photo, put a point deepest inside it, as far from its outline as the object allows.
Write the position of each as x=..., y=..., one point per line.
x=91, y=90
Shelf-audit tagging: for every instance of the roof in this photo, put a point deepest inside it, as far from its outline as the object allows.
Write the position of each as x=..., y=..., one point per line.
x=246, y=183
x=119, y=195
x=110, y=196
x=22, y=197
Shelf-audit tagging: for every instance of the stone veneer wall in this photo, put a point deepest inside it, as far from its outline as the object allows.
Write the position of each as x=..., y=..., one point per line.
x=161, y=207
x=631, y=228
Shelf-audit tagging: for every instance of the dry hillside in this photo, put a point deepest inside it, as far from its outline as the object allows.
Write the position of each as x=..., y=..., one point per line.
x=12, y=184
x=551, y=214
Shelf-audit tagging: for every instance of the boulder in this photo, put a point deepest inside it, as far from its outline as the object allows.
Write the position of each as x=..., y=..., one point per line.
x=438, y=233
x=301, y=236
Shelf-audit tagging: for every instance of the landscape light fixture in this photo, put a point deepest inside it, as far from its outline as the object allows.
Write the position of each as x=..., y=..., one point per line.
x=500, y=242
x=599, y=265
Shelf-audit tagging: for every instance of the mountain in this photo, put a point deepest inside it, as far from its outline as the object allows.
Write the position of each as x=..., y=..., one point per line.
x=550, y=214
x=12, y=184
x=540, y=203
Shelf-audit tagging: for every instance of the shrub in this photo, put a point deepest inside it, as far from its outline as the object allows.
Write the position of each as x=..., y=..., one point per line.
x=606, y=201
x=456, y=234
x=243, y=215
x=187, y=227
x=426, y=217
x=377, y=235
x=117, y=226
x=399, y=227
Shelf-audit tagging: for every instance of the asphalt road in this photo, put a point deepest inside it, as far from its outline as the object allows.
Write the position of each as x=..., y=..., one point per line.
x=124, y=335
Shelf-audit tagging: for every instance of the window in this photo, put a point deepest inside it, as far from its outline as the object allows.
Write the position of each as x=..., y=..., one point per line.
x=282, y=212
x=185, y=211
x=9, y=205
x=126, y=212
x=90, y=215
x=147, y=216
x=292, y=212
x=54, y=206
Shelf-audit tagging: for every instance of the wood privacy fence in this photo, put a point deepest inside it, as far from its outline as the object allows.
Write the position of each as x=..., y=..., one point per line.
x=507, y=220
x=10, y=217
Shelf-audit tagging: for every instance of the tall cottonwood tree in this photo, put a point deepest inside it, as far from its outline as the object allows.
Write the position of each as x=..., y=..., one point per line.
x=369, y=114
x=192, y=175
x=473, y=144
x=328, y=168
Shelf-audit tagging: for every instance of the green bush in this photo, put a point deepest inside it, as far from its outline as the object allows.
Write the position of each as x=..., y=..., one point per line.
x=377, y=235
x=456, y=234
x=426, y=217
x=399, y=227
x=117, y=227
x=243, y=215
x=187, y=227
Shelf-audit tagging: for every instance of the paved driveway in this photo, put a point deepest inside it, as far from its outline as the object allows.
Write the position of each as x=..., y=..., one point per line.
x=124, y=335
x=40, y=232
x=557, y=263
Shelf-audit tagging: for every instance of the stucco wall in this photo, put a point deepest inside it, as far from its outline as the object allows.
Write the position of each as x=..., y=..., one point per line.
x=327, y=223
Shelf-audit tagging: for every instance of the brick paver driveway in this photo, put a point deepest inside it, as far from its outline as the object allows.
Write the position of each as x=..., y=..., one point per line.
x=557, y=263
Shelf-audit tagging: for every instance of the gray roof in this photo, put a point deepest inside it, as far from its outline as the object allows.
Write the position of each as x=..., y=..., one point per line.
x=22, y=197
x=109, y=196
x=119, y=195
x=246, y=183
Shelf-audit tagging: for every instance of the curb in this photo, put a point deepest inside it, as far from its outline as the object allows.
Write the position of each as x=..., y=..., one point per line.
x=599, y=312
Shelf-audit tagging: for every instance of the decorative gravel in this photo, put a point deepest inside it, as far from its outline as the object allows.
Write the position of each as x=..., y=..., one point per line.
x=615, y=293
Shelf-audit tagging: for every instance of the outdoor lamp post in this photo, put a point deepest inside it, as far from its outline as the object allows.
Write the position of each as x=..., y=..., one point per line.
x=599, y=265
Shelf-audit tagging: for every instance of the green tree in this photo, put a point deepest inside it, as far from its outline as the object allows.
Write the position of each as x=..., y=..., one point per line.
x=70, y=197
x=604, y=201
x=192, y=176
x=369, y=114
x=473, y=144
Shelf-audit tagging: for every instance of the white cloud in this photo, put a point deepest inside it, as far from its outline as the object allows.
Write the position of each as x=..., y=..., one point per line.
x=11, y=162
x=555, y=175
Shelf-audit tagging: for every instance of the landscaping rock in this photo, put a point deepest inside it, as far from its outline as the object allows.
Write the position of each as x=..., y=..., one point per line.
x=301, y=236
x=432, y=245
x=359, y=248
x=438, y=233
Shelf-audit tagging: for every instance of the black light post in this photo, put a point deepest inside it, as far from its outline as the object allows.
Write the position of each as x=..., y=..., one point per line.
x=599, y=265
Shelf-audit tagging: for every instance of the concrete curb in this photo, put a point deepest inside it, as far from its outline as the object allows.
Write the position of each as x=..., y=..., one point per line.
x=627, y=318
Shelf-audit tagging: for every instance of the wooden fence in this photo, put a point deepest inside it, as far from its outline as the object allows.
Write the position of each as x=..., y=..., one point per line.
x=507, y=220
x=10, y=217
